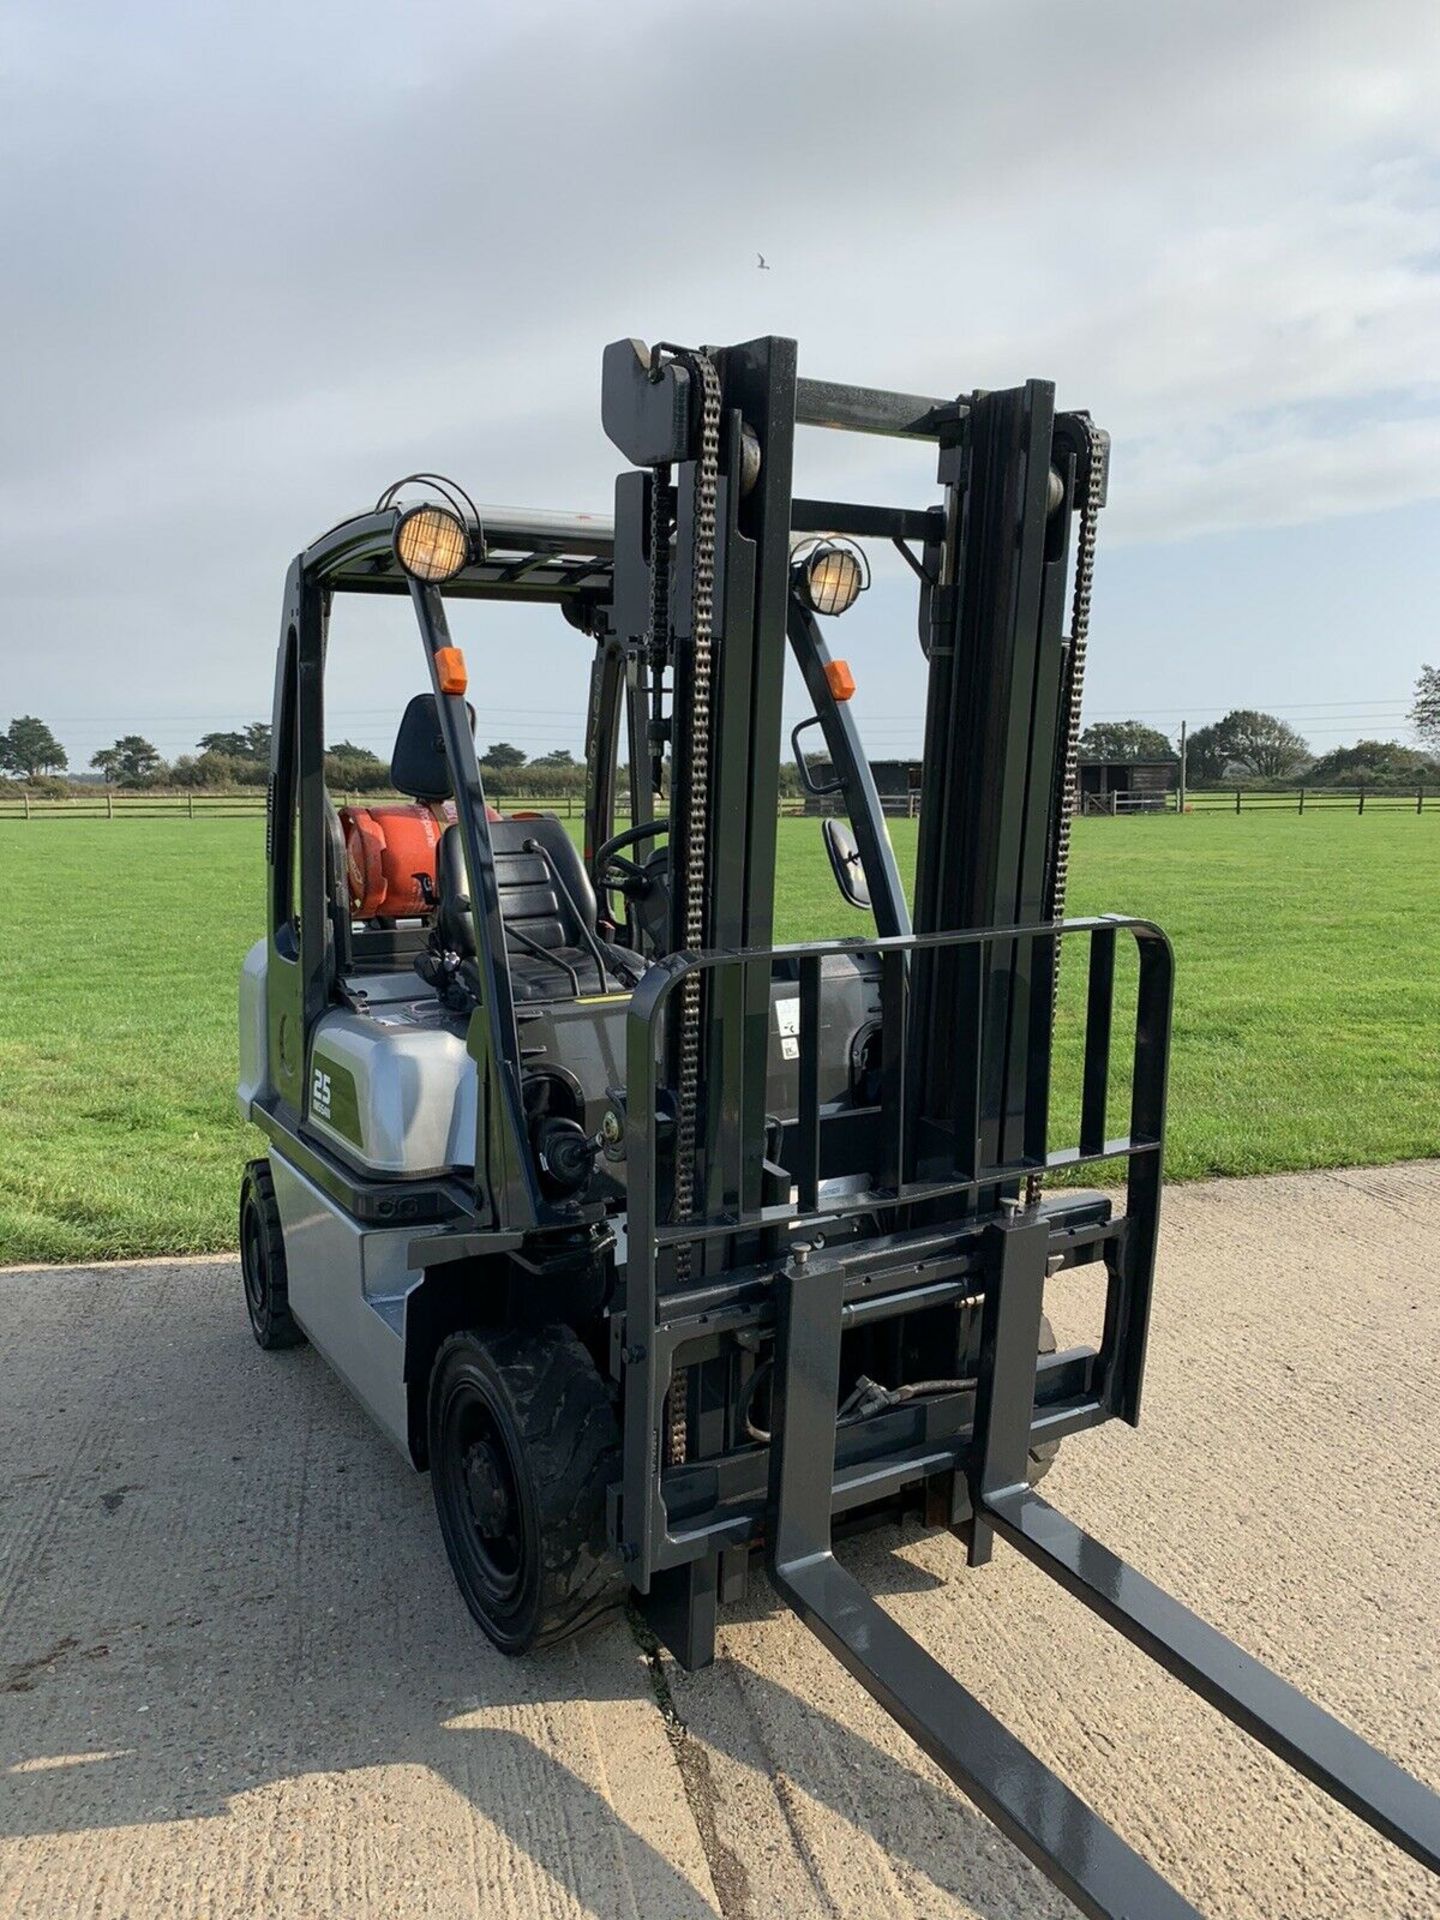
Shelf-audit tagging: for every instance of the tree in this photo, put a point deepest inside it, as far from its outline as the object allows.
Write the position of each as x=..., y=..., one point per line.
x=215, y=771
x=1245, y=742
x=1263, y=745
x=352, y=769
x=246, y=743
x=1371, y=763
x=1124, y=740
x=131, y=760
x=502, y=756
x=1205, y=755
x=232, y=744
x=29, y=748
x=557, y=757
x=1425, y=714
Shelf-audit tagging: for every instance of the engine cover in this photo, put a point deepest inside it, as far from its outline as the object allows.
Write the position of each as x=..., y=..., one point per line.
x=393, y=1088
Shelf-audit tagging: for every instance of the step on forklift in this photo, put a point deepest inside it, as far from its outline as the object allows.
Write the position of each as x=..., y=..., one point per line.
x=663, y=1247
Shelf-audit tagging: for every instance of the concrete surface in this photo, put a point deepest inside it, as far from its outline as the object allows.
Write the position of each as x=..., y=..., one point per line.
x=239, y=1681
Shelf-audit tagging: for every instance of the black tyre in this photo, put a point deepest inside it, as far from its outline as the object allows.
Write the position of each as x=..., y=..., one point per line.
x=523, y=1444
x=1042, y=1458
x=262, y=1262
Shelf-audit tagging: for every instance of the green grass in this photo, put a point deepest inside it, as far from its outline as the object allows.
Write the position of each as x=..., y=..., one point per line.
x=1307, y=1024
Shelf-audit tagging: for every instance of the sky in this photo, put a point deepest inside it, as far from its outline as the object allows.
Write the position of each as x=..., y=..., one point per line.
x=262, y=259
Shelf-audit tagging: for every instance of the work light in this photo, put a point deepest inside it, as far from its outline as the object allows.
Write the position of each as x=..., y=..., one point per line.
x=831, y=575
x=432, y=543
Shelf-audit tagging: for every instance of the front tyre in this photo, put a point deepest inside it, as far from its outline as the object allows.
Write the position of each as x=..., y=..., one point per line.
x=523, y=1445
x=262, y=1262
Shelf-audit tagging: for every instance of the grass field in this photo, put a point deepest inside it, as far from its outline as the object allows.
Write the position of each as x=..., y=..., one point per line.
x=1307, y=1029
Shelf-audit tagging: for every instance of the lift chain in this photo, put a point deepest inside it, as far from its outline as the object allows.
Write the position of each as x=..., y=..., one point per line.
x=1073, y=687
x=695, y=843
x=662, y=508
x=657, y=641
x=1072, y=693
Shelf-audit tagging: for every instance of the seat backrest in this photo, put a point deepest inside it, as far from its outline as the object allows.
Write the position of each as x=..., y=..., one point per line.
x=545, y=891
x=418, y=765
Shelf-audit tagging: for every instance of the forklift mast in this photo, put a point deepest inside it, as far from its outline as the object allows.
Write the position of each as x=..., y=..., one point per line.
x=759, y=1242
x=953, y=1138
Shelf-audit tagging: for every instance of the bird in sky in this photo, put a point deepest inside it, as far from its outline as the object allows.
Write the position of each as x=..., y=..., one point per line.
x=764, y=264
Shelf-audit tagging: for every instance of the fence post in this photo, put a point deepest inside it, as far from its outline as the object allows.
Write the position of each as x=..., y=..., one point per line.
x=190, y=805
x=1420, y=800
x=1302, y=799
x=1361, y=807
x=26, y=797
x=109, y=804
x=1237, y=799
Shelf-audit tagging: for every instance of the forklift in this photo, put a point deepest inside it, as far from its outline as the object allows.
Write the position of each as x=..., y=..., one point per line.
x=664, y=1248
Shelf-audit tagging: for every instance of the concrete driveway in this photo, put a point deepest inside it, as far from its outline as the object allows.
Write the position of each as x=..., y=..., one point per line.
x=238, y=1679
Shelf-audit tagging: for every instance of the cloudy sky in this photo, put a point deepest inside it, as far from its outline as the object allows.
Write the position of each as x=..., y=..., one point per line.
x=260, y=259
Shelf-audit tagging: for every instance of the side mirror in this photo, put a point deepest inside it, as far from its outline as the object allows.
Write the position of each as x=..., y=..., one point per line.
x=845, y=863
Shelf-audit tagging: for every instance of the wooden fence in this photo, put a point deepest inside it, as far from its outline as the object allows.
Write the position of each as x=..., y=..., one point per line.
x=250, y=804
x=247, y=805
x=1311, y=800
x=1270, y=800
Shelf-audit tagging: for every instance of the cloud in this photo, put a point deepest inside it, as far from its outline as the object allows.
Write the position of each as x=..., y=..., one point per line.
x=265, y=257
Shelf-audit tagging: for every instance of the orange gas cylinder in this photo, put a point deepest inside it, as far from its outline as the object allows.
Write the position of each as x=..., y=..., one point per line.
x=390, y=855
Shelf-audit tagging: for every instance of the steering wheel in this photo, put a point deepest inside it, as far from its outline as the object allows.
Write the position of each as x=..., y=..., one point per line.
x=612, y=870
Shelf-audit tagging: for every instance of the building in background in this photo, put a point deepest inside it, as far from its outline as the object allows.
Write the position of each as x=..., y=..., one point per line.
x=897, y=782
x=1127, y=786
x=1106, y=786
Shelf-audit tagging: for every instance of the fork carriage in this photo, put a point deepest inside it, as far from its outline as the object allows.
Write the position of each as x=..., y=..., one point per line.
x=883, y=1232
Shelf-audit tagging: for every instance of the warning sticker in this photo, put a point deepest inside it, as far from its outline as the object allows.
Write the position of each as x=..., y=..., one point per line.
x=787, y=1025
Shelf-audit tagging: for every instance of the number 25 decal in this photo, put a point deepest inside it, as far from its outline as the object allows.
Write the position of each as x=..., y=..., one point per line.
x=320, y=1094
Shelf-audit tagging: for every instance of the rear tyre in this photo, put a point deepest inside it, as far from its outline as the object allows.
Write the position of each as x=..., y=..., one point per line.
x=262, y=1262
x=1042, y=1457
x=523, y=1445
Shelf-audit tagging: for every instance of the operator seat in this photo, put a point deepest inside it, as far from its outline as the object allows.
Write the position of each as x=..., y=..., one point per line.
x=548, y=910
